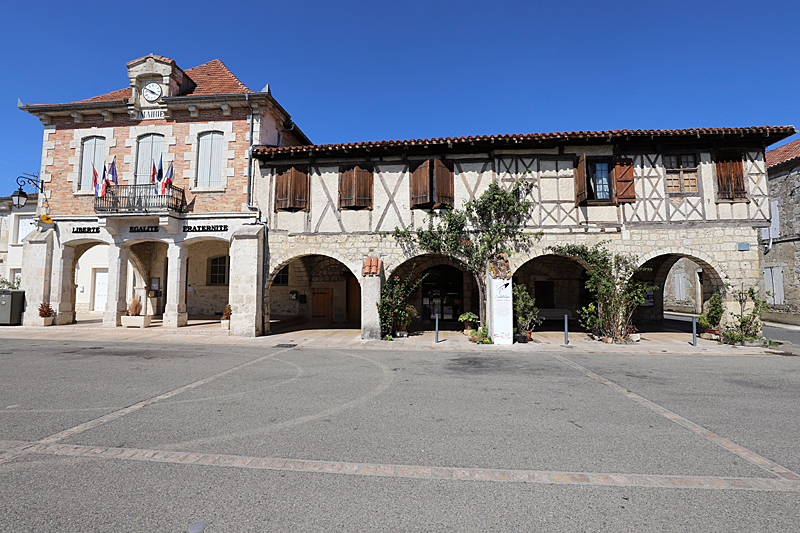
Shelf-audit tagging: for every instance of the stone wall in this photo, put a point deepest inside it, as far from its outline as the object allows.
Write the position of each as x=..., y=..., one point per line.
x=684, y=269
x=202, y=298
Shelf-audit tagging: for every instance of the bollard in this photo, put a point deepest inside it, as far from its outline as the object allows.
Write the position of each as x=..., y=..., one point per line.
x=694, y=331
x=436, y=338
x=566, y=329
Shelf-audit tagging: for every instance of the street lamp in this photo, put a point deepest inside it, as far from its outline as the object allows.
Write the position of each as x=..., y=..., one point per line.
x=19, y=197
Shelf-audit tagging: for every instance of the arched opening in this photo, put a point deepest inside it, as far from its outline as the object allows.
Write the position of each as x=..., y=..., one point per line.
x=446, y=289
x=684, y=285
x=208, y=280
x=313, y=291
x=558, y=285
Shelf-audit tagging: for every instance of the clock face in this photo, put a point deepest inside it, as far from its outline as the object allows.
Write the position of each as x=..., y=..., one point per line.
x=151, y=91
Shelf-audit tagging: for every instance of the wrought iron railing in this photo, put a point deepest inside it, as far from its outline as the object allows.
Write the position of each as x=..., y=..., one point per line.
x=140, y=198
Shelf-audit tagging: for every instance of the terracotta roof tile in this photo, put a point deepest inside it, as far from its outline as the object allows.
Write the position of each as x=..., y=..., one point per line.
x=576, y=135
x=783, y=154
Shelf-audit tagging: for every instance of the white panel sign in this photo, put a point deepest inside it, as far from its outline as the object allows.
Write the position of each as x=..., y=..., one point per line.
x=501, y=321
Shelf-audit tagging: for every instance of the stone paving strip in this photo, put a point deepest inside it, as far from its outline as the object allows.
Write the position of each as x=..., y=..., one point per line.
x=15, y=448
x=745, y=454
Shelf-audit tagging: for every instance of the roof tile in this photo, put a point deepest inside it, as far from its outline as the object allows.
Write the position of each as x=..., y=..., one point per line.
x=783, y=154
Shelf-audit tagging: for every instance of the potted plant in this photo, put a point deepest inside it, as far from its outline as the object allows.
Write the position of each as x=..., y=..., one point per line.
x=469, y=319
x=225, y=321
x=46, y=315
x=709, y=320
x=525, y=312
x=404, y=318
x=132, y=318
x=633, y=333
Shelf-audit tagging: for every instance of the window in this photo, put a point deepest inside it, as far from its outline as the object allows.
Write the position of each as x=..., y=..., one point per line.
x=291, y=189
x=16, y=275
x=680, y=286
x=355, y=187
x=773, y=283
x=602, y=180
x=218, y=268
x=282, y=277
x=681, y=173
x=148, y=153
x=92, y=153
x=431, y=185
x=25, y=226
x=209, y=160
x=730, y=177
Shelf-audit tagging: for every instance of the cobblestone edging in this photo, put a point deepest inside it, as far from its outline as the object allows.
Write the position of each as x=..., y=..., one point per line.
x=11, y=449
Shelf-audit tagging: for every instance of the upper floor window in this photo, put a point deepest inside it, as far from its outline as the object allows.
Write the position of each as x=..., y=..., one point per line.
x=218, y=268
x=681, y=173
x=730, y=177
x=291, y=189
x=209, y=160
x=355, y=187
x=431, y=185
x=25, y=225
x=602, y=180
x=92, y=153
x=149, y=149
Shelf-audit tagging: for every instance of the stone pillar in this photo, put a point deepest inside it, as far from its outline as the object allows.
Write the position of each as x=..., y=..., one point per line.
x=175, y=314
x=245, y=293
x=37, y=261
x=117, y=281
x=63, y=285
x=371, y=283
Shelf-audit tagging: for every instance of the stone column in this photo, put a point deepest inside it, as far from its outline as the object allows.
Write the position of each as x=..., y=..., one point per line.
x=37, y=261
x=245, y=293
x=175, y=314
x=63, y=285
x=117, y=281
x=371, y=284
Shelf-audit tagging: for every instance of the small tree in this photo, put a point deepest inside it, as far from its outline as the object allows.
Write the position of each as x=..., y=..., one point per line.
x=617, y=294
x=393, y=304
x=711, y=318
x=747, y=326
x=488, y=225
x=526, y=314
x=9, y=284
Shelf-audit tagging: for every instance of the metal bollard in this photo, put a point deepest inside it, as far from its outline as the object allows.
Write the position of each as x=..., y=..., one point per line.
x=566, y=330
x=436, y=338
x=694, y=331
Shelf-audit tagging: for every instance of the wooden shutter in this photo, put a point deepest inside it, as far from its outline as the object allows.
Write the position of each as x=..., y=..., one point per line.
x=282, y=189
x=580, y=180
x=623, y=176
x=442, y=184
x=362, y=187
x=420, y=185
x=299, y=196
x=730, y=176
x=347, y=193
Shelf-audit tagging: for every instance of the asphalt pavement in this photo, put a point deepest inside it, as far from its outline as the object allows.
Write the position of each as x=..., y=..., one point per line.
x=158, y=436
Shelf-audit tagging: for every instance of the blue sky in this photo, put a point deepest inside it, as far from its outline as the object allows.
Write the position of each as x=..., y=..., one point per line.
x=358, y=71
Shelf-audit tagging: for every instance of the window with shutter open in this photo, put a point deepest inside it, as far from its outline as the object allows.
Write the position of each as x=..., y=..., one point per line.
x=355, y=187
x=291, y=189
x=580, y=180
x=93, y=153
x=432, y=185
x=730, y=177
x=623, y=175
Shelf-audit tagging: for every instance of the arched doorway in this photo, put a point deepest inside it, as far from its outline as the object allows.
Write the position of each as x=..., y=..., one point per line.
x=442, y=294
x=558, y=285
x=665, y=272
x=313, y=291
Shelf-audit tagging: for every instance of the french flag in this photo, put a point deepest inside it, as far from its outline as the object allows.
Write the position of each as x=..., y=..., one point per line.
x=113, y=170
x=167, y=180
x=157, y=175
x=104, y=184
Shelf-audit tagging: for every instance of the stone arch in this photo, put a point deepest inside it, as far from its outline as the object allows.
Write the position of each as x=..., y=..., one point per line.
x=556, y=282
x=320, y=289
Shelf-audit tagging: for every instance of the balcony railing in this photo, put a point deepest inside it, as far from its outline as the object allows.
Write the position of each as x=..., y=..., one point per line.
x=140, y=199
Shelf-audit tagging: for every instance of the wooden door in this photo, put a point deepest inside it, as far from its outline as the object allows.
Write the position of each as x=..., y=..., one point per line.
x=322, y=305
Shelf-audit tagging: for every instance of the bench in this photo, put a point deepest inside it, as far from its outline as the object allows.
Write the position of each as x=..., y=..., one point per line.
x=555, y=314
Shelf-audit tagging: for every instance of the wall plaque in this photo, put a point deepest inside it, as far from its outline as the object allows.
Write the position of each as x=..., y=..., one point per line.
x=151, y=114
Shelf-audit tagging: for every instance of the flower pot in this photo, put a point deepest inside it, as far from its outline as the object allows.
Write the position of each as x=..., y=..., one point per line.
x=635, y=337
x=469, y=325
x=225, y=324
x=522, y=338
x=402, y=327
x=528, y=336
x=43, y=321
x=712, y=331
x=142, y=321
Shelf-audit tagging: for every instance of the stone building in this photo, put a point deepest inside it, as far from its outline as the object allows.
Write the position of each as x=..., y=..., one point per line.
x=293, y=231
x=780, y=260
x=15, y=225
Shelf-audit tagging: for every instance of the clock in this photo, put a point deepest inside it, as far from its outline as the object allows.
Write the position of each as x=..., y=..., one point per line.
x=152, y=91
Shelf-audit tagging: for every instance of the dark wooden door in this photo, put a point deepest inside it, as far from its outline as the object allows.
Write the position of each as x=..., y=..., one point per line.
x=353, y=301
x=322, y=305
